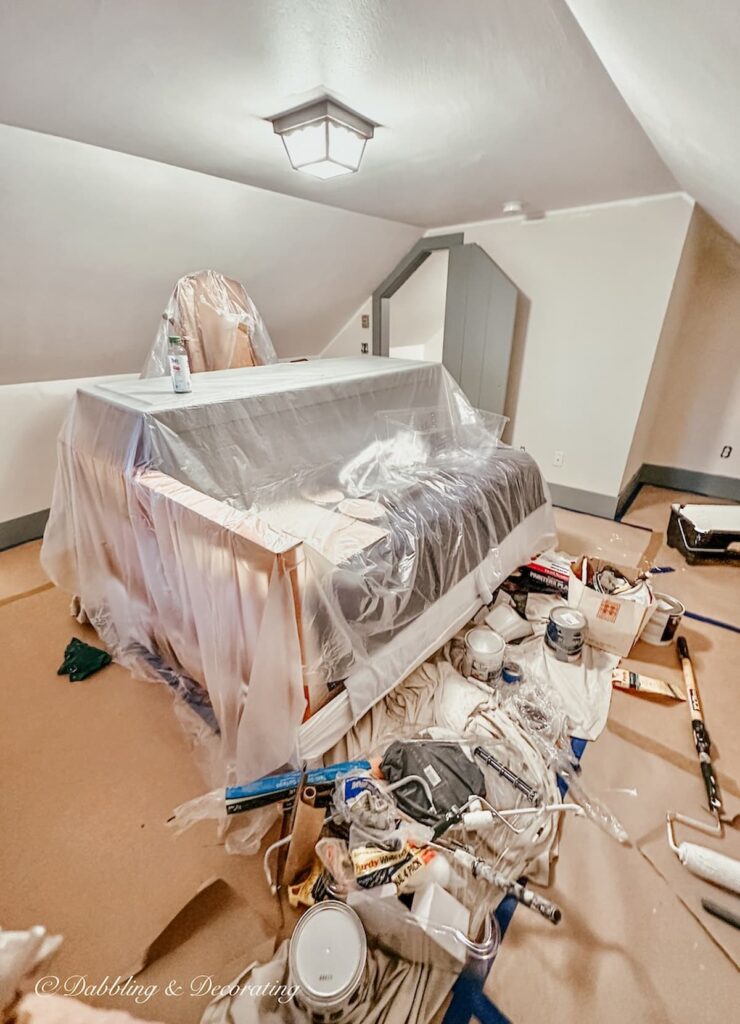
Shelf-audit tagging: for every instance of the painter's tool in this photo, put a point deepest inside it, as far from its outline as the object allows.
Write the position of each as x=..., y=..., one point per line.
x=272, y=789
x=506, y=773
x=721, y=912
x=713, y=867
x=527, y=897
x=701, y=736
x=624, y=679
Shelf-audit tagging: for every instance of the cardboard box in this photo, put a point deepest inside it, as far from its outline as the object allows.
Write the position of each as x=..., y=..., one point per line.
x=614, y=621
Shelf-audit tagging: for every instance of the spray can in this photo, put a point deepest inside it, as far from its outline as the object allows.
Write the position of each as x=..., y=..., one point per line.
x=179, y=365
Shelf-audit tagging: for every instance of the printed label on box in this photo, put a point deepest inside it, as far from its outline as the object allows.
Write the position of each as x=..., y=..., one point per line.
x=608, y=610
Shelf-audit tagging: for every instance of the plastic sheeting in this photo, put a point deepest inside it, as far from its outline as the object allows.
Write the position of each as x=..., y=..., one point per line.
x=257, y=541
x=218, y=322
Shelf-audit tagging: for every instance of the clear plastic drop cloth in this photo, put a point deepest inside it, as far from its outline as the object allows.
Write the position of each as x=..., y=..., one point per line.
x=259, y=541
x=218, y=322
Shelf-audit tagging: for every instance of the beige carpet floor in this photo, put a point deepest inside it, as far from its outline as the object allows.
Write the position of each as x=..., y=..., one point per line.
x=91, y=772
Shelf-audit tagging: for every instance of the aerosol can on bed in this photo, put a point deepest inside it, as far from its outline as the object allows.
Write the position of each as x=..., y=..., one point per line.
x=179, y=365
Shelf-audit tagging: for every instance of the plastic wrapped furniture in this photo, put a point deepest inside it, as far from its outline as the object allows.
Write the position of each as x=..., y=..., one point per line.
x=218, y=322
x=285, y=535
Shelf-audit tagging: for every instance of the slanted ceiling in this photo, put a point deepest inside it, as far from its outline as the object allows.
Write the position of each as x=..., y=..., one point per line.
x=479, y=101
x=677, y=65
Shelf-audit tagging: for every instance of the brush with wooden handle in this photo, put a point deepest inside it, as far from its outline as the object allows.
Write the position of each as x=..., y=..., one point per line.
x=702, y=741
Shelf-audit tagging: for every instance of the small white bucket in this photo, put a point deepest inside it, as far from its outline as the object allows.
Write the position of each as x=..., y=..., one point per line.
x=663, y=624
x=484, y=654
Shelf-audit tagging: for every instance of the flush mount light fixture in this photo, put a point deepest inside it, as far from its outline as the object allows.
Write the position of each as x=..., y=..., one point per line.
x=323, y=138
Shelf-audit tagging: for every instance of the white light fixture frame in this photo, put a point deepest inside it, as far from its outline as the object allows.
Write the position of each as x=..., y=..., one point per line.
x=333, y=138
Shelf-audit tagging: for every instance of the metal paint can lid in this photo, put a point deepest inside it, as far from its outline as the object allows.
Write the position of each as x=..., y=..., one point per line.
x=327, y=955
x=569, y=619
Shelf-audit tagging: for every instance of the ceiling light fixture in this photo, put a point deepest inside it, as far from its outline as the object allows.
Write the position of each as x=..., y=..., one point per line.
x=323, y=138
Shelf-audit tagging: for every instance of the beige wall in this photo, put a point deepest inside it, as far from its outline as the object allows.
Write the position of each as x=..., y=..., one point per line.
x=595, y=286
x=691, y=408
x=92, y=242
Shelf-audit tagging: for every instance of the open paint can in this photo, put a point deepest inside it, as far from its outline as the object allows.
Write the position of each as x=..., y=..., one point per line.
x=484, y=654
x=664, y=622
x=327, y=961
x=566, y=633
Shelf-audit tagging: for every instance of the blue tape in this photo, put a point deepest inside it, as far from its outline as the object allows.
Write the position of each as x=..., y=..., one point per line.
x=712, y=622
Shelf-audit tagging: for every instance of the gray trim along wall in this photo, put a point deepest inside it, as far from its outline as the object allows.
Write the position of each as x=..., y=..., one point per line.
x=23, y=529
x=604, y=505
x=711, y=485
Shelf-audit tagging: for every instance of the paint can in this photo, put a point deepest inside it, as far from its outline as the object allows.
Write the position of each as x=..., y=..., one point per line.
x=484, y=654
x=512, y=672
x=664, y=622
x=566, y=633
x=327, y=961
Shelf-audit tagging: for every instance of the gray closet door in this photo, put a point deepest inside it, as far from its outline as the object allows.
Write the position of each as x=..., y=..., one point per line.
x=479, y=326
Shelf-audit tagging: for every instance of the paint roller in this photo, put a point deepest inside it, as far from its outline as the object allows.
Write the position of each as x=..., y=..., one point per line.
x=701, y=861
x=705, y=863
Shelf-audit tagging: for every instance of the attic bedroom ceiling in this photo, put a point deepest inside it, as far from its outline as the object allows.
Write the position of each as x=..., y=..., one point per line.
x=676, y=64
x=480, y=101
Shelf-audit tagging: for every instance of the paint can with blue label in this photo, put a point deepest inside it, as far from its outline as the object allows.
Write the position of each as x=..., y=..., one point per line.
x=566, y=633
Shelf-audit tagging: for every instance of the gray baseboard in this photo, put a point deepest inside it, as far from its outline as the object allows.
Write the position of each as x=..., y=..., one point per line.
x=711, y=485
x=23, y=529
x=604, y=505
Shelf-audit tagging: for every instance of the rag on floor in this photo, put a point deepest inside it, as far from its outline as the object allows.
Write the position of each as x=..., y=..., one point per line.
x=81, y=660
x=396, y=992
x=37, y=1009
x=584, y=687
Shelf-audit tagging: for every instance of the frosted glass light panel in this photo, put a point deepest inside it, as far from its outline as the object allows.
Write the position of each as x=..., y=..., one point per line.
x=323, y=139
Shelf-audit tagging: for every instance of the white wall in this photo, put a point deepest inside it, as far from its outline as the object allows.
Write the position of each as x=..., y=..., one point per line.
x=692, y=403
x=350, y=339
x=31, y=416
x=417, y=315
x=596, y=283
x=417, y=311
x=92, y=242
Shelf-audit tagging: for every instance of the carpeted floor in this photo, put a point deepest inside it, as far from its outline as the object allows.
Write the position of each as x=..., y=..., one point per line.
x=91, y=772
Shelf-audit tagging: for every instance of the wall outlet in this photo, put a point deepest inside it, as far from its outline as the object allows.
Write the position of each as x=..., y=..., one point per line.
x=364, y=348
x=557, y=459
x=726, y=452
x=365, y=320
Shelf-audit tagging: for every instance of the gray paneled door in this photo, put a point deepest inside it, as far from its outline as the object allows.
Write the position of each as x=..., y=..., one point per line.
x=479, y=326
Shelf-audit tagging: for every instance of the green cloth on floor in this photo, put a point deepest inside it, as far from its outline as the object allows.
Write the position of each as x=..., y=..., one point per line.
x=81, y=660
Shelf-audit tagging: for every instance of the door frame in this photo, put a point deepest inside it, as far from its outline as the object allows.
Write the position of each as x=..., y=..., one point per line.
x=381, y=307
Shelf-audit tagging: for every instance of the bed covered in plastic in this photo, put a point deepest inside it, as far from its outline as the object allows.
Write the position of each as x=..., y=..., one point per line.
x=262, y=537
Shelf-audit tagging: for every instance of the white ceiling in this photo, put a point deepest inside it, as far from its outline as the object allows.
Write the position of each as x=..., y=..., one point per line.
x=677, y=64
x=480, y=101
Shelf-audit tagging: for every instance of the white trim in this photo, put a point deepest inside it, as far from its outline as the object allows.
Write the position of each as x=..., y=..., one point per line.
x=564, y=211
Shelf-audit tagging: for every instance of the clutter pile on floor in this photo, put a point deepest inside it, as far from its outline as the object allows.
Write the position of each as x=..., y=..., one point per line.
x=443, y=800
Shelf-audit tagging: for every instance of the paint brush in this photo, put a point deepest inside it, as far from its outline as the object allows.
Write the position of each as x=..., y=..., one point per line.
x=702, y=741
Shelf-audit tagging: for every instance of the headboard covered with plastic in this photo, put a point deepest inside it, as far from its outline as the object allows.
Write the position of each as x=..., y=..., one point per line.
x=220, y=325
